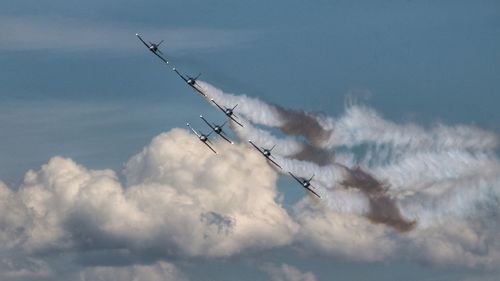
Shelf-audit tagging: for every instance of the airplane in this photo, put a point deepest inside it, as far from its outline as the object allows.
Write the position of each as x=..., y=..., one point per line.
x=217, y=129
x=266, y=152
x=191, y=81
x=153, y=47
x=305, y=183
x=228, y=111
x=203, y=138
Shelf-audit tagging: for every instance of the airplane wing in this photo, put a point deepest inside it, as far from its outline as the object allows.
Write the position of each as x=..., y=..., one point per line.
x=234, y=120
x=138, y=36
x=195, y=132
x=210, y=147
x=209, y=125
x=297, y=179
x=312, y=191
x=222, y=109
x=180, y=75
x=198, y=90
x=256, y=147
x=269, y=159
x=226, y=138
x=158, y=55
x=223, y=134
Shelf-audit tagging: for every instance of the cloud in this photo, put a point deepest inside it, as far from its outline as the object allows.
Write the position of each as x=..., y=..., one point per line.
x=393, y=189
x=14, y=267
x=398, y=199
x=65, y=34
x=285, y=272
x=181, y=201
x=160, y=271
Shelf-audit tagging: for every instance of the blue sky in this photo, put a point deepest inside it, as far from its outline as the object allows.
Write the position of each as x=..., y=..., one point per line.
x=76, y=82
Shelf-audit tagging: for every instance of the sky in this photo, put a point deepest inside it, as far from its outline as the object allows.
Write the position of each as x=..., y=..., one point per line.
x=97, y=169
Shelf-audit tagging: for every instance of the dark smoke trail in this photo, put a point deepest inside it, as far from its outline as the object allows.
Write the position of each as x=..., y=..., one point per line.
x=383, y=209
x=304, y=124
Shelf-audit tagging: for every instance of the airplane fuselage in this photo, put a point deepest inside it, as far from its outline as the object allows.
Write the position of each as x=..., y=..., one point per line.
x=218, y=129
x=267, y=153
x=191, y=82
x=203, y=138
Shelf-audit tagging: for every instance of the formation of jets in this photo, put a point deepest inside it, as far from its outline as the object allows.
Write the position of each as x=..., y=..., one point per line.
x=229, y=112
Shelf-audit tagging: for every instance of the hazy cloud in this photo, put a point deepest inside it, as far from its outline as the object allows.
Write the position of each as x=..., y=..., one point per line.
x=285, y=272
x=65, y=34
x=160, y=271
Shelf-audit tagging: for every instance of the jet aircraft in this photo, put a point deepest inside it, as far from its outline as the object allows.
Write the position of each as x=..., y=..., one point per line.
x=305, y=183
x=153, y=47
x=217, y=129
x=228, y=111
x=202, y=137
x=191, y=81
x=266, y=152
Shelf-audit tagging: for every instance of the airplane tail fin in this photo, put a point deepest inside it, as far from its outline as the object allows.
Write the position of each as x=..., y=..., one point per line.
x=311, y=178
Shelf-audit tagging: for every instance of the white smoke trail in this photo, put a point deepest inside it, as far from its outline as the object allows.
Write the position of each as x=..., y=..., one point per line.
x=360, y=125
x=253, y=109
x=404, y=166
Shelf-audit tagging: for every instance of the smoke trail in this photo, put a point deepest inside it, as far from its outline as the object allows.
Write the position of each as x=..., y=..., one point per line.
x=363, y=125
x=399, y=160
x=287, y=146
x=360, y=125
x=383, y=209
